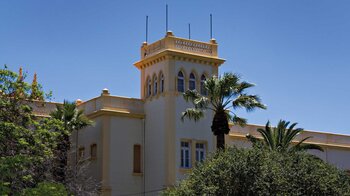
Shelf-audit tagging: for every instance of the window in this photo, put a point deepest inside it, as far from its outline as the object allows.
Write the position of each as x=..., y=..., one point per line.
x=93, y=151
x=192, y=83
x=137, y=158
x=180, y=82
x=155, y=85
x=161, y=83
x=200, y=152
x=203, y=90
x=81, y=152
x=185, y=155
x=149, y=87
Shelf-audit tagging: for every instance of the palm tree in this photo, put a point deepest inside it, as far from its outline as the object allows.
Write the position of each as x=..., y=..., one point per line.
x=280, y=138
x=73, y=120
x=222, y=95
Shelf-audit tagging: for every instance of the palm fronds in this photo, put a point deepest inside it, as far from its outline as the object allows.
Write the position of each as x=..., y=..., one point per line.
x=281, y=138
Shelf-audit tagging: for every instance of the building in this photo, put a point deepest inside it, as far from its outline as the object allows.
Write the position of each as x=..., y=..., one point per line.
x=140, y=146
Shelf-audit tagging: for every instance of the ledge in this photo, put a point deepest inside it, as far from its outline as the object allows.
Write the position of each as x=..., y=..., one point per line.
x=185, y=170
x=137, y=174
x=334, y=145
x=122, y=113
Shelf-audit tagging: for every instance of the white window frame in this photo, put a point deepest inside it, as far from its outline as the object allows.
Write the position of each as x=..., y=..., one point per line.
x=200, y=151
x=162, y=83
x=155, y=85
x=180, y=82
x=192, y=82
x=149, y=87
x=185, y=154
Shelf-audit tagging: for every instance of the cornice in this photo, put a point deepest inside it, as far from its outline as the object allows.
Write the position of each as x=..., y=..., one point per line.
x=122, y=113
x=333, y=145
x=178, y=55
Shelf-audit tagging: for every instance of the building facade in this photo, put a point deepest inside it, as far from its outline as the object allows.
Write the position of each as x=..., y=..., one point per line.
x=141, y=146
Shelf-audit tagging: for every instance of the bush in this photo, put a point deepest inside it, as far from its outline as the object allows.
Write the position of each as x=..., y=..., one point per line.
x=47, y=189
x=256, y=171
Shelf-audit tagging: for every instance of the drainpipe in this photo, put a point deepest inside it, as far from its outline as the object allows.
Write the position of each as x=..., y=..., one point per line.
x=144, y=157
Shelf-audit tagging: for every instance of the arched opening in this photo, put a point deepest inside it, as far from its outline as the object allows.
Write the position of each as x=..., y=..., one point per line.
x=155, y=85
x=180, y=82
x=149, y=87
x=161, y=83
x=192, y=82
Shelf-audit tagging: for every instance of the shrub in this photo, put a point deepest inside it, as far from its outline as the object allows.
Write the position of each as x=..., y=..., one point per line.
x=256, y=171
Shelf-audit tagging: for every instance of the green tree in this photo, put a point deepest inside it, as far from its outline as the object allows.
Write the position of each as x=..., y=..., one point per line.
x=47, y=189
x=280, y=138
x=26, y=142
x=73, y=120
x=223, y=95
x=255, y=171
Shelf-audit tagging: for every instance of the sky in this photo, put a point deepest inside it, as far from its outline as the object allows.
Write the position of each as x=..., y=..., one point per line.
x=296, y=52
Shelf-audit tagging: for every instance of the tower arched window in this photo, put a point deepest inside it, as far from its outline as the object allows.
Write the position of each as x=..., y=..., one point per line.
x=203, y=90
x=155, y=85
x=180, y=82
x=192, y=82
x=161, y=83
x=149, y=87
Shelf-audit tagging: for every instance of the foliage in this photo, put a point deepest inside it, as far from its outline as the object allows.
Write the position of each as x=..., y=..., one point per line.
x=222, y=95
x=73, y=120
x=257, y=171
x=280, y=138
x=47, y=189
x=26, y=142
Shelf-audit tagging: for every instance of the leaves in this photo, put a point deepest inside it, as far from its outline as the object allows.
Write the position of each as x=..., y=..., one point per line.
x=259, y=171
x=281, y=138
x=223, y=93
x=26, y=142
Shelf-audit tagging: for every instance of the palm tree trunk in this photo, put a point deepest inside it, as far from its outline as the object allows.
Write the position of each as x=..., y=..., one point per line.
x=220, y=127
x=220, y=141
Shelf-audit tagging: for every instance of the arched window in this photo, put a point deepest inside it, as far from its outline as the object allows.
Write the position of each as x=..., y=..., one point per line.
x=180, y=82
x=161, y=83
x=192, y=84
x=149, y=87
x=203, y=90
x=155, y=85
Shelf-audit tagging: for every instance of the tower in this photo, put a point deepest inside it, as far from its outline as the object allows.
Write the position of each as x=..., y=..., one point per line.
x=169, y=67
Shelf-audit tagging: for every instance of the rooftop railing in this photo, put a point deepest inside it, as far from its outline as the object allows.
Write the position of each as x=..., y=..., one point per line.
x=171, y=42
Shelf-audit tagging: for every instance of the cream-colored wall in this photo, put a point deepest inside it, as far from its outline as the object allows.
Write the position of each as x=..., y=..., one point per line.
x=190, y=130
x=125, y=132
x=164, y=129
x=86, y=137
x=155, y=144
x=156, y=124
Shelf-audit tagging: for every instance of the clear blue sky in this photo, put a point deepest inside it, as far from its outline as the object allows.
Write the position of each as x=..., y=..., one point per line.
x=297, y=52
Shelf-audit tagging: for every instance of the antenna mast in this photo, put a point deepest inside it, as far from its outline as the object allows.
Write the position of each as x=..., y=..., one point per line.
x=146, y=29
x=189, y=30
x=211, y=26
x=166, y=18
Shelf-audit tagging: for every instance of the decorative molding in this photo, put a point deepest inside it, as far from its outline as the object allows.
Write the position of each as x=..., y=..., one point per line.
x=122, y=113
x=178, y=55
x=332, y=145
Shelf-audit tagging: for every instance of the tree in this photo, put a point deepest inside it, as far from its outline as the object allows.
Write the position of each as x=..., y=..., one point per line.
x=45, y=188
x=255, y=171
x=280, y=138
x=223, y=93
x=26, y=142
x=73, y=120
